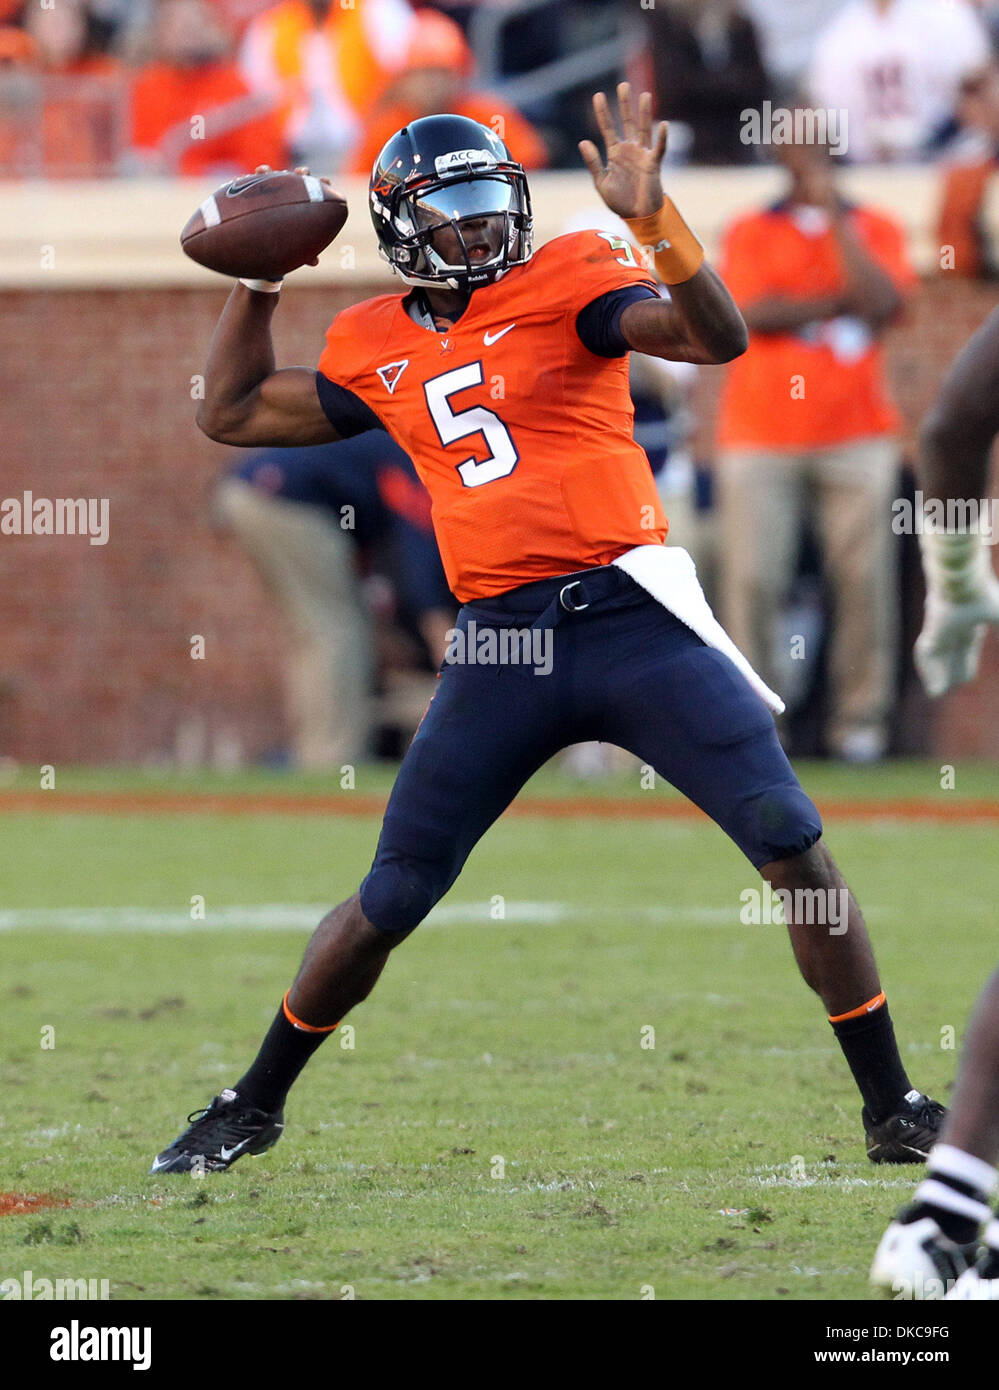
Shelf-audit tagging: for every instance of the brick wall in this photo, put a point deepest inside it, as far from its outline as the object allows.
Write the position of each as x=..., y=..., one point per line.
x=94, y=659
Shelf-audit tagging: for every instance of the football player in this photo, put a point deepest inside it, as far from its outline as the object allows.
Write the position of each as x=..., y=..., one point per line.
x=929, y=1249
x=503, y=373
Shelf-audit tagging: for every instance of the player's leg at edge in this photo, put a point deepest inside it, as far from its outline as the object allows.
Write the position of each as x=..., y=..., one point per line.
x=931, y=1249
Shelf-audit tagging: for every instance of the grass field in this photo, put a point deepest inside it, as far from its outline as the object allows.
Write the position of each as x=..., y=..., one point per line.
x=498, y=1130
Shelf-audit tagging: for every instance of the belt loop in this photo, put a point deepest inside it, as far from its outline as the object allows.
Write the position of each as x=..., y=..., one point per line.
x=549, y=618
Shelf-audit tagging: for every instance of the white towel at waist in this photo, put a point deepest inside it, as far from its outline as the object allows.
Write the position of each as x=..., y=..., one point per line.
x=668, y=574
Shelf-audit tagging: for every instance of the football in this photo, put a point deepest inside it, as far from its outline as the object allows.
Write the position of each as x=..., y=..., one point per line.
x=263, y=226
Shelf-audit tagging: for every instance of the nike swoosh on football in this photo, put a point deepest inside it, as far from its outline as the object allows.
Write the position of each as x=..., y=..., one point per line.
x=490, y=338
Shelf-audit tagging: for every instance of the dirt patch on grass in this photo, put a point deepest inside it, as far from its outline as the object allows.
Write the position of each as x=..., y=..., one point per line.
x=23, y=1203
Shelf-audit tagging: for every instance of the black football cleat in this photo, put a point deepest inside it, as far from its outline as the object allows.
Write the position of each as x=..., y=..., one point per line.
x=226, y=1130
x=909, y=1134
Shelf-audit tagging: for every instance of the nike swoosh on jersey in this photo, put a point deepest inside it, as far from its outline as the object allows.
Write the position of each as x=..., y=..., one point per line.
x=490, y=338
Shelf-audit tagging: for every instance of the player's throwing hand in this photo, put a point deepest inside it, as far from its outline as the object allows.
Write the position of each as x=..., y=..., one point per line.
x=299, y=169
x=629, y=184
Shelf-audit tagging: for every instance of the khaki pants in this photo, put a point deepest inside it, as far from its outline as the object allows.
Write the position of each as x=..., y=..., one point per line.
x=309, y=564
x=764, y=498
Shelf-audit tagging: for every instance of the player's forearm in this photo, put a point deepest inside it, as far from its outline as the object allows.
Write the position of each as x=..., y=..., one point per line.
x=953, y=461
x=871, y=292
x=775, y=313
x=711, y=315
x=956, y=435
x=240, y=357
x=701, y=323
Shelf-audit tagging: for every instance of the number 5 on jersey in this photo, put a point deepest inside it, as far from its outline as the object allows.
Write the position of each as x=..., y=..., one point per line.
x=452, y=425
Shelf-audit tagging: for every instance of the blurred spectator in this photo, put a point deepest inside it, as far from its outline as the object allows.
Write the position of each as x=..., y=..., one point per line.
x=115, y=24
x=311, y=519
x=895, y=66
x=806, y=429
x=59, y=97
x=988, y=13
x=191, y=111
x=436, y=77
x=327, y=65
x=786, y=30
x=966, y=246
x=237, y=14
x=707, y=71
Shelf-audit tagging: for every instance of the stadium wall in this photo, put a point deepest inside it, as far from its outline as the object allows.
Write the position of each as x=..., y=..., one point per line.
x=105, y=332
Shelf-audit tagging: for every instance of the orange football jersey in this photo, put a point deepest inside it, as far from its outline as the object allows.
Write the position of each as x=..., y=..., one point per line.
x=522, y=436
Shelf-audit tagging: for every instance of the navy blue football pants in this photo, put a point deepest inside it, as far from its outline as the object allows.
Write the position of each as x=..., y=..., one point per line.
x=605, y=661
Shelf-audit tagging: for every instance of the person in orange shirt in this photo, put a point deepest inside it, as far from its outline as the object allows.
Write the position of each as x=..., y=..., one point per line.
x=59, y=102
x=806, y=429
x=326, y=63
x=439, y=66
x=191, y=111
x=967, y=247
x=503, y=371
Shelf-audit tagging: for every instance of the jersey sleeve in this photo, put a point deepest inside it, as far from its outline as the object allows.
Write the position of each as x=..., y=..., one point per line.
x=345, y=411
x=338, y=377
x=597, y=263
x=598, y=326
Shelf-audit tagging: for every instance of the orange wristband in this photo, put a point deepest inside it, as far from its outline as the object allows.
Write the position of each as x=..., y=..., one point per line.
x=677, y=254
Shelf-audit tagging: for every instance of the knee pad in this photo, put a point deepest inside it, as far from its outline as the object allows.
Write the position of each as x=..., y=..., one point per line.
x=398, y=893
x=779, y=823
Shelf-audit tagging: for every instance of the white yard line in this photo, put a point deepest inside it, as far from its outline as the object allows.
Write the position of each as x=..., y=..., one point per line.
x=305, y=916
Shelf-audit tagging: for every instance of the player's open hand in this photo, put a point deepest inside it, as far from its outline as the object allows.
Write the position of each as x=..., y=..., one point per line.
x=630, y=183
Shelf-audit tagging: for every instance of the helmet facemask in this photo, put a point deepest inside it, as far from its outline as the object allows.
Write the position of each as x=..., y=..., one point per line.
x=440, y=224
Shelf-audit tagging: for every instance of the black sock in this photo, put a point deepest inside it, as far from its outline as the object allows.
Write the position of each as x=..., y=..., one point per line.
x=956, y=1192
x=956, y=1225
x=283, y=1054
x=869, y=1046
x=989, y=1268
